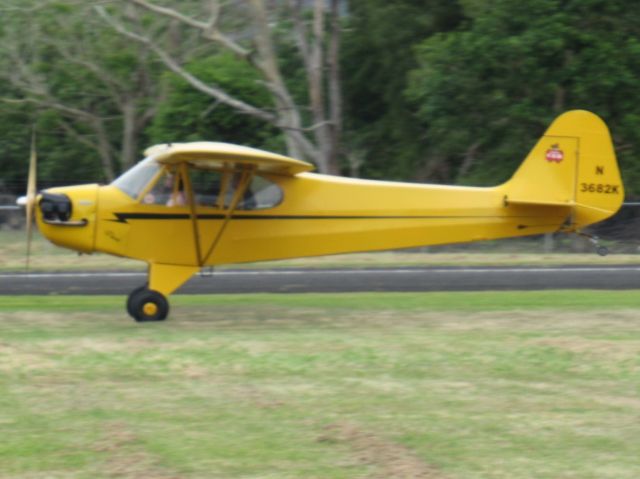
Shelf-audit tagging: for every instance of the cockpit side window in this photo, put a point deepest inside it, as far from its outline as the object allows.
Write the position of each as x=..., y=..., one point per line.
x=156, y=184
x=168, y=190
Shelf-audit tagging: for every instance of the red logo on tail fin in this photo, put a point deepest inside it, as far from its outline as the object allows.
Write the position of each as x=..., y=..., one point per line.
x=554, y=154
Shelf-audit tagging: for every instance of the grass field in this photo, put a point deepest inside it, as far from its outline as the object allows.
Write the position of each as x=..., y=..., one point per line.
x=439, y=386
x=48, y=257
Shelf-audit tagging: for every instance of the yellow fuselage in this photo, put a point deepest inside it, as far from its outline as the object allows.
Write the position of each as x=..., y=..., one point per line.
x=319, y=215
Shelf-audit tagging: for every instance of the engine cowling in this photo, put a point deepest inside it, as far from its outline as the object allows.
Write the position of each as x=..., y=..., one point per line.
x=67, y=216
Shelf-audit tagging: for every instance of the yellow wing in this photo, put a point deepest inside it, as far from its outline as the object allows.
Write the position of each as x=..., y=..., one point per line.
x=214, y=155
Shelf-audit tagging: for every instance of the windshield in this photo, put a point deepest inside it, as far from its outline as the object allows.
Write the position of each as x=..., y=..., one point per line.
x=133, y=181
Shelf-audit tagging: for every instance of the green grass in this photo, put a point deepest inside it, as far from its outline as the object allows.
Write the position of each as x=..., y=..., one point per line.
x=464, y=301
x=439, y=385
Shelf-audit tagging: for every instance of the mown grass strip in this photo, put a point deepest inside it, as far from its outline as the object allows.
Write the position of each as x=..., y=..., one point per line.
x=456, y=301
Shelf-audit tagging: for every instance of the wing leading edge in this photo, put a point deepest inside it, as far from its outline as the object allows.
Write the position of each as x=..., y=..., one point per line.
x=215, y=155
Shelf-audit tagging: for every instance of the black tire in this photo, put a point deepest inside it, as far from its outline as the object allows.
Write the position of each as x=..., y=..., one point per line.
x=131, y=297
x=149, y=305
x=602, y=250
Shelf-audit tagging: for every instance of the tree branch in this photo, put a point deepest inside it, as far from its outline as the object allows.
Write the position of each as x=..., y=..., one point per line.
x=103, y=147
x=102, y=76
x=308, y=149
x=54, y=105
x=213, y=91
x=300, y=33
x=209, y=29
x=71, y=131
x=168, y=12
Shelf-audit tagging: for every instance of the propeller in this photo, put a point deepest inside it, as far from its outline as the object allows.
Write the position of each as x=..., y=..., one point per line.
x=30, y=199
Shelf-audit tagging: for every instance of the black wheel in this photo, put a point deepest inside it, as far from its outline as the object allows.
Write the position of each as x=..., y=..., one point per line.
x=149, y=305
x=131, y=296
x=602, y=250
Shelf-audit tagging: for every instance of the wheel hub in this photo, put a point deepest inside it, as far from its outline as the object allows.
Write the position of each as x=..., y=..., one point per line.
x=150, y=309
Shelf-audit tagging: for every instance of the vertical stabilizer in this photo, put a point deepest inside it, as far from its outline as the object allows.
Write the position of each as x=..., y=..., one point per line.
x=574, y=165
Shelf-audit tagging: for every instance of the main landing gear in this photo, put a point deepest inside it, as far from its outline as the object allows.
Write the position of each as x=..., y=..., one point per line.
x=144, y=304
x=149, y=302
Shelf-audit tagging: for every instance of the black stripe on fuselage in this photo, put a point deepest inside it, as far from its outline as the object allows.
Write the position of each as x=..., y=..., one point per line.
x=125, y=217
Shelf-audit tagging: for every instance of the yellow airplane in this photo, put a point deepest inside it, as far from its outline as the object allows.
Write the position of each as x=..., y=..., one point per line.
x=189, y=205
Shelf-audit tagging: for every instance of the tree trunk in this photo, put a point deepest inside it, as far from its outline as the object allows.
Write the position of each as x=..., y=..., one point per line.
x=130, y=133
x=335, y=92
x=104, y=150
x=266, y=62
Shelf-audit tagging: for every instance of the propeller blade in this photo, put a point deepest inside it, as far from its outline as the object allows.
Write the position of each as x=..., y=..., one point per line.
x=31, y=195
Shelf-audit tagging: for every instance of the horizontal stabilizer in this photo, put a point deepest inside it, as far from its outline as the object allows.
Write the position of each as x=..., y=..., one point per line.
x=509, y=201
x=559, y=204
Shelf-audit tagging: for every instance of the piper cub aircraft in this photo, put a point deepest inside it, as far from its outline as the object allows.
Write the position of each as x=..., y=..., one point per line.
x=190, y=205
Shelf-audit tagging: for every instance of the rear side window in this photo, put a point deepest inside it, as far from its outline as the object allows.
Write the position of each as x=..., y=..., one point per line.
x=209, y=188
x=261, y=194
x=217, y=189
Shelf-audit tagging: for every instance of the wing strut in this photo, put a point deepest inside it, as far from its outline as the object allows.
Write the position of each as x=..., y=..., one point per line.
x=245, y=180
x=191, y=199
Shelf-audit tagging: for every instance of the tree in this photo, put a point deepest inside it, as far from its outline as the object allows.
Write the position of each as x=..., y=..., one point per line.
x=187, y=114
x=378, y=53
x=487, y=92
x=14, y=145
x=95, y=81
x=311, y=131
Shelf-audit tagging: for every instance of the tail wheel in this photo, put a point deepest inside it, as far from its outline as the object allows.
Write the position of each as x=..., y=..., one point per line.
x=147, y=305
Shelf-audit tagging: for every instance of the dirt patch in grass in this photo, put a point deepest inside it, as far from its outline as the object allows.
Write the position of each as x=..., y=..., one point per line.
x=600, y=348
x=549, y=322
x=388, y=459
x=24, y=359
x=20, y=319
x=102, y=345
x=618, y=401
x=126, y=457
